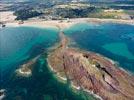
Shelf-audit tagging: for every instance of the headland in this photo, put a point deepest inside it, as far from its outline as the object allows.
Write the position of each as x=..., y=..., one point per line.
x=90, y=72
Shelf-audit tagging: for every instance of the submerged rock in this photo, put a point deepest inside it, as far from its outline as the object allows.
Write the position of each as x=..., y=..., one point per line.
x=25, y=70
x=2, y=94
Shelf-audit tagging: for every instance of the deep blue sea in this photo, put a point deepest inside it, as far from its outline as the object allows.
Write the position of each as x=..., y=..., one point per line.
x=115, y=41
x=17, y=46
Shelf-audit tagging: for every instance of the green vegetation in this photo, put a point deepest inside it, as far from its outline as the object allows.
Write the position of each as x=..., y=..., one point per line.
x=130, y=7
x=75, y=10
x=74, y=13
x=25, y=14
x=102, y=14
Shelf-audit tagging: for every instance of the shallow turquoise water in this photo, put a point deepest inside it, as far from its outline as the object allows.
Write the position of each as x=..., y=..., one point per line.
x=119, y=49
x=20, y=44
x=115, y=41
x=17, y=44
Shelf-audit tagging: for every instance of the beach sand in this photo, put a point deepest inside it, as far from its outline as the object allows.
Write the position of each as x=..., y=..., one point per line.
x=62, y=24
x=7, y=16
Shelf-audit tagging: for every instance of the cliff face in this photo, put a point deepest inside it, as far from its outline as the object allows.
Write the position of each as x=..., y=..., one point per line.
x=92, y=72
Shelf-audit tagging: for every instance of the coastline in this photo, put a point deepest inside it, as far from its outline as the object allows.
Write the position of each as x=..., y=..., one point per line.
x=64, y=80
x=66, y=23
x=77, y=88
x=62, y=25
x=107, y=77
x=56, y=74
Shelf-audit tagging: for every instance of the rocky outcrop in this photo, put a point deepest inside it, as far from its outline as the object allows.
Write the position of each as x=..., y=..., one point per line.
x=25, y=70
x=92, y=72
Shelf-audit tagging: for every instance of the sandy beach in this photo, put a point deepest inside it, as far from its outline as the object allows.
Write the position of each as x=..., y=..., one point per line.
x=7, y=16
x=65, y=23
x=42, y=24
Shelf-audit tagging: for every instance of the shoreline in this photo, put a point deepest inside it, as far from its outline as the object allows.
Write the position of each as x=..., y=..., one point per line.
x=65, y=23
x=64, y=80
x=107, y=76
x=116, y=63
x=77, y=88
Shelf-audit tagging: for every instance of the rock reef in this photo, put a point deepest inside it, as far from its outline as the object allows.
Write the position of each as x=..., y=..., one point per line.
x=91, y=72
x=2, y=94
x=25, y=70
